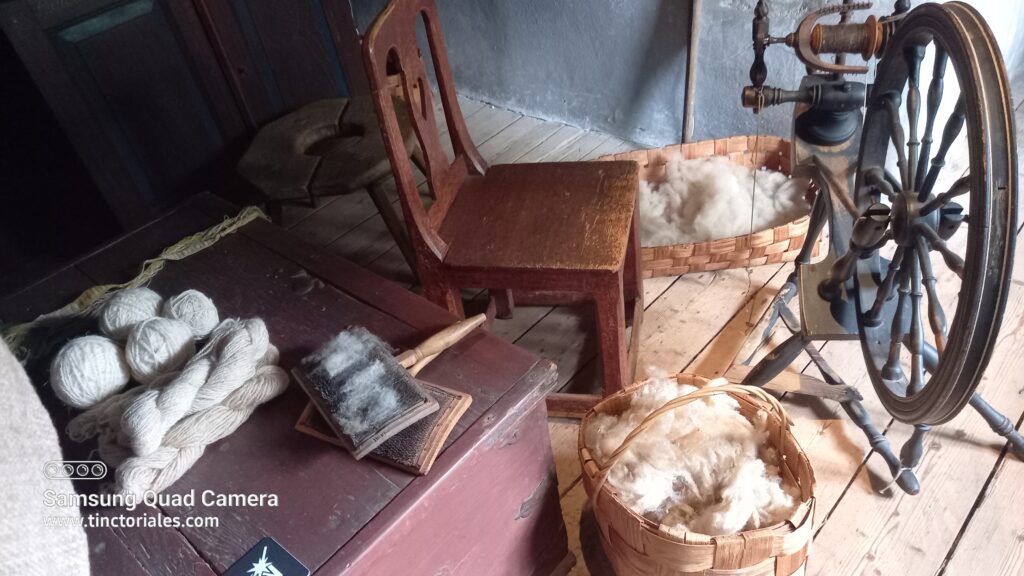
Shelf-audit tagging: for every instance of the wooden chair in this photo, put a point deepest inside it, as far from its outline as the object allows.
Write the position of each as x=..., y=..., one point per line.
x=554, y=227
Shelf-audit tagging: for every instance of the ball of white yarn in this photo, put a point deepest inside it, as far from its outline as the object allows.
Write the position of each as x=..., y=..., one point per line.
x=195, y=309
x=157, y=346
x=88, y=370
x=127, y=308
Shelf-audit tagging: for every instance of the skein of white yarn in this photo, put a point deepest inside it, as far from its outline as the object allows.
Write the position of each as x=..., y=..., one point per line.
x=127, y=308
x=231, y=357
x=195, y=309
x=186, y=441
x=158, y=346
x=87, y=370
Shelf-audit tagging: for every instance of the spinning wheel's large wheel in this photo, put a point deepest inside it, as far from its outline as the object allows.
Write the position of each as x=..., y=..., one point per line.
x=927, y=245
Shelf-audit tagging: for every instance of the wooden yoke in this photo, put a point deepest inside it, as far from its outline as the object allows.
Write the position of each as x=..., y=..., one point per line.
x=392, y=40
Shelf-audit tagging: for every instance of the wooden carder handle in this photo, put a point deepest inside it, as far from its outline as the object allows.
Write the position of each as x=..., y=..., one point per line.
x=441, y=341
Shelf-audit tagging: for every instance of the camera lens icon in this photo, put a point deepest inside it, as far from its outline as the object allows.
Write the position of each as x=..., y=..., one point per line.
x=75, y=470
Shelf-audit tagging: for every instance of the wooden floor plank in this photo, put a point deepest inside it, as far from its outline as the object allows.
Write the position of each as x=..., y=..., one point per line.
x=552, y=147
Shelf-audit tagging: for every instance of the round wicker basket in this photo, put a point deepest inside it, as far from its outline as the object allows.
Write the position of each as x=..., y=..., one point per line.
x=772, y=246
x=636, y=545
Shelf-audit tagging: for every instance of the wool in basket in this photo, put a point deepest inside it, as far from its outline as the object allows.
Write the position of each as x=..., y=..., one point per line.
x=701, y=468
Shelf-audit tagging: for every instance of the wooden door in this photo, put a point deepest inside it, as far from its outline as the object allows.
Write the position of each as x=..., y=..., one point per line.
x=137, y=89
x=280, y=55
x=159, y=97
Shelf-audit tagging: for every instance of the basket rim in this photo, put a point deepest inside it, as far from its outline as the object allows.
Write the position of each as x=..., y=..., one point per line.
x=802, y=514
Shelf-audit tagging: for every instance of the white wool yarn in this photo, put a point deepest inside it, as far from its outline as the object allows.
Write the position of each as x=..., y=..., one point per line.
x=88, y=370
x=215, y=392
x=186, y=441
x=701, y=468
x=157, y=346
x=195, y=309
x=235, y=350
x=127, y=308
x=705, y=199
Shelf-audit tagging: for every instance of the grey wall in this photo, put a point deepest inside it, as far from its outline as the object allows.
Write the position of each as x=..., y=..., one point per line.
x=618, y=66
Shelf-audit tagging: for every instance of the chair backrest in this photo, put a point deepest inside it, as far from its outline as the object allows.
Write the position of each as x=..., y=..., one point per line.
x=391, y=42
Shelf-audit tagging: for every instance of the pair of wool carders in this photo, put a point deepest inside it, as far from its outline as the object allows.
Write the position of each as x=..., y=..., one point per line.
x=366, y=394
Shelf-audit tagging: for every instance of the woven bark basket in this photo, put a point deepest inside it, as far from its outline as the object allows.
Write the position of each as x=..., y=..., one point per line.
x=772, y=246
x=637, y=547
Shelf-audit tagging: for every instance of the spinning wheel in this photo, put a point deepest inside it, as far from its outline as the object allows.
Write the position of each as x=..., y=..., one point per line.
x=899, y=296
x=922, y=222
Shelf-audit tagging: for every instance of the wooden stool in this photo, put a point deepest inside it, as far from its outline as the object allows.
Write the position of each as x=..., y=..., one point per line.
x=327, y=148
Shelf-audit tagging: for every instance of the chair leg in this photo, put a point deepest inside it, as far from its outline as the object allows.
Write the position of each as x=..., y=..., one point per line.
x=503, y=302
x=438, y=290
x=633, y=274
x=394, y=224
x=610, y=304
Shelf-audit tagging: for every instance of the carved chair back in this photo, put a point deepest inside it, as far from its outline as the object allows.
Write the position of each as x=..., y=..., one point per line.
x=391, y=44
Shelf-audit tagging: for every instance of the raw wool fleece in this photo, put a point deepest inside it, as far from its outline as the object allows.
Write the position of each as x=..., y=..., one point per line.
x=710, y=198
x=701, y=468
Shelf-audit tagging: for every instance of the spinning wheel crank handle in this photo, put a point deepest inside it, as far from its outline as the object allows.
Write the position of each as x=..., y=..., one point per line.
x=868, y=231
x=906, y=479
x=998, y=422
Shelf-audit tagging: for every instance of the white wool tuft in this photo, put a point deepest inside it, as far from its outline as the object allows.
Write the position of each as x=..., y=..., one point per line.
x=366, y=404
x=127, y=308
x=88, y=370
x=157, y=346
x=195, y=309
x=701, y=468
x=710, y=198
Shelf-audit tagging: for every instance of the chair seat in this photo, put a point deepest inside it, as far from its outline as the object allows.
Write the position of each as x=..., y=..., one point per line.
x=571, y=216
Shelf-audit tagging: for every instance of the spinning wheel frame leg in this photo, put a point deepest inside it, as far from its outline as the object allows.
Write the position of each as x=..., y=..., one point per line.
x=995, y=419
x=1000, y=424
x=903, y=475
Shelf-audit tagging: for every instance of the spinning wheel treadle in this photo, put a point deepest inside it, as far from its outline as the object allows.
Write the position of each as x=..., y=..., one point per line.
x=921, y=247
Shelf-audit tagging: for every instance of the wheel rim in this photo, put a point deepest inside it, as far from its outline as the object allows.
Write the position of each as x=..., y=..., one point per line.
x=928, y=256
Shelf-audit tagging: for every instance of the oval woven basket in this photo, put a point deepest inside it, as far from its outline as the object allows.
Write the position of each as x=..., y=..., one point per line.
x=637, y=547
x=772, y=246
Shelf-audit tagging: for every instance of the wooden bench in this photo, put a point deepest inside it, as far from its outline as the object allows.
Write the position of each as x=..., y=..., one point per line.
x=490, y=503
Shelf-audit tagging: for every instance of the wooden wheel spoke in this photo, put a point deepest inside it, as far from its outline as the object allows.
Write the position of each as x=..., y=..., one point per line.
x=959, y=188
x=935, y=90
x=913, y=56
x=885, y=290
x=936, y=315
x=892, y=370
x=891, y=103
x=954, y=126
x=952, y=259
x=915, y=342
